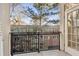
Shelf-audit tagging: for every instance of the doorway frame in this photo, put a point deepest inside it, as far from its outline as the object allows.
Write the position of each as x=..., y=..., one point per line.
x=68, y=49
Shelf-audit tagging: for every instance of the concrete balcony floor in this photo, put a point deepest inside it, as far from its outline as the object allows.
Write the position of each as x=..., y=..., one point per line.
x=45, y=53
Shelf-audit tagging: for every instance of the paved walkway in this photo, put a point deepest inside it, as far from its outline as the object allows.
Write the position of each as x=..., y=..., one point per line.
x=45, y=53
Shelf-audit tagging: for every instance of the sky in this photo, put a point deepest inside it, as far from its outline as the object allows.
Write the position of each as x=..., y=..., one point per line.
x=27, y=20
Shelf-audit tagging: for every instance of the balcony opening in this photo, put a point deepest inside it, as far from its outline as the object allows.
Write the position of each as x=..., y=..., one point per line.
x=35, y=27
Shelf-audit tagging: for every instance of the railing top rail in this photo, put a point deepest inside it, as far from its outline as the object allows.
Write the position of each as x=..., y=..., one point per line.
x=34, y=33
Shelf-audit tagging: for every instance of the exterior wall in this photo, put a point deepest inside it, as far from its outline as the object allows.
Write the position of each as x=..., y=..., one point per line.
x=5, y=28
x=62, y=27
x=1, y=43
x=31, y=28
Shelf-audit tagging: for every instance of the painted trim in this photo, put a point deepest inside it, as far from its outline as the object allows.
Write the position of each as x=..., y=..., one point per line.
x=68, y=49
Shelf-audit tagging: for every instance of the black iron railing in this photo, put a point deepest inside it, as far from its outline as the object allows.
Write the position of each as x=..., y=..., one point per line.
x=24, y=42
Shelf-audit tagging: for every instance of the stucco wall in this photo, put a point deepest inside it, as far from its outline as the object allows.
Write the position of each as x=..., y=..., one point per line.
x=62, y=27
x=5, y=26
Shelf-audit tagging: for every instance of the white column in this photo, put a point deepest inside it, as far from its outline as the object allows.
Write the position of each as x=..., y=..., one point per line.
x=62, y=27
x=5, y=29
x=1, y=42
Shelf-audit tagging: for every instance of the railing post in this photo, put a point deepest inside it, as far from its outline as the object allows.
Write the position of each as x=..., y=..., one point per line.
x=59, y=40
x=11, y=45
x=38, y=43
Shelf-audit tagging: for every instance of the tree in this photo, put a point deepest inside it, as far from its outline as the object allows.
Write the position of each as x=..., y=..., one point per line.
x=43, y=11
